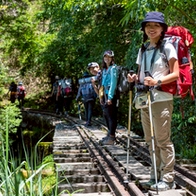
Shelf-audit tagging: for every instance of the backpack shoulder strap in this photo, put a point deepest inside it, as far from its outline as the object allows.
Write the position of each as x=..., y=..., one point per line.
x=162, y=51
x=162, y=47
x=152, y=59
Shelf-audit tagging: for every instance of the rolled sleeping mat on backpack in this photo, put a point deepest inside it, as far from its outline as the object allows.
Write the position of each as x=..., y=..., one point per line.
x=86, y=80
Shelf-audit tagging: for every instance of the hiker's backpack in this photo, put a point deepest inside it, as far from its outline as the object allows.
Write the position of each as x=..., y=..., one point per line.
x=66, y=88
x=55, y=87
x=88, y=92
x=122, y=83
x=182, y=40
x=13, y=92
x=21, y=92
x=13, y=88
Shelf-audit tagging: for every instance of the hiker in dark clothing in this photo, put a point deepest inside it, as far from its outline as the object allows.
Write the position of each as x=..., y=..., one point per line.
x=67, y=94
x=56, y=96
x=12, y=92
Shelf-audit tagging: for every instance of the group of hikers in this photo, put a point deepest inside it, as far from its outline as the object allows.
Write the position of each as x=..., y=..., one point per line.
x=17, y=92
x=62, y=95
x=103, y=85
x=100, y=83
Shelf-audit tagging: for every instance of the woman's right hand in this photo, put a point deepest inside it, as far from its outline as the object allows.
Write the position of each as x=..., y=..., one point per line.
x=131, y=78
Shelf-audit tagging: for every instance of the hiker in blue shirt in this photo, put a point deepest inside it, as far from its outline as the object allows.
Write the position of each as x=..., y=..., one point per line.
x=88, y=94
x=109, y=99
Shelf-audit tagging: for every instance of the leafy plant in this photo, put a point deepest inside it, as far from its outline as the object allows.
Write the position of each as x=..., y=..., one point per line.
x=25, y=178
x=10, y=119
x=188, y=152
x=183, y=131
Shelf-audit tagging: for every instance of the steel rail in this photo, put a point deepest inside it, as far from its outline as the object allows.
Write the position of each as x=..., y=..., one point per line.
x=185, y=179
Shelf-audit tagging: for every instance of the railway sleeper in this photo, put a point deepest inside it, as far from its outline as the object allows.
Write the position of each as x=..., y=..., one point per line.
x=92, y=187
x=75, y=167
x=137, y=171
x=64, y=130
x=68, y=170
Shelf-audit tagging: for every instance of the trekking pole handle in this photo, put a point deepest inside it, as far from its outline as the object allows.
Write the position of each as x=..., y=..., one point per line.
x=131, y=85
x=147, y=73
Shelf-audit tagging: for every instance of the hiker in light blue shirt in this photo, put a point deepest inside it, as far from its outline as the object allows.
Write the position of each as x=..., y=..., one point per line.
x=109, y=98
x=109, y=81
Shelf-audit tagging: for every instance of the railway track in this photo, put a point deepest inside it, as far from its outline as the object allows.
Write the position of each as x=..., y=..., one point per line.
x=85, y=167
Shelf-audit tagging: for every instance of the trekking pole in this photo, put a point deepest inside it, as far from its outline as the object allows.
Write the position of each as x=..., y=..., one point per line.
x=131, y=85
x=79, y=111
x=152, y=132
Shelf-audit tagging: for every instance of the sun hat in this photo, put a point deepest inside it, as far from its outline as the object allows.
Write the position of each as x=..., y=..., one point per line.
x=154, y=17
x=109, y=53
x=92, y=64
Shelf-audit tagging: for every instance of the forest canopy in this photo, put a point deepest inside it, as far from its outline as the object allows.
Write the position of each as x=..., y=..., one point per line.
x=62, y=36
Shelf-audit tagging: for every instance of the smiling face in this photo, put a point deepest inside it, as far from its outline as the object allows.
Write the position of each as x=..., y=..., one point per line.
x=153, y=30
x=94, y=70
x=107, y=60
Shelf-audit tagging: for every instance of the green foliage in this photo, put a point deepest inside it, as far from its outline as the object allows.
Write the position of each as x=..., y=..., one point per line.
x=183, y=127
x=10, y=118
x=188, y=153
x=61, y=37
x=85, y=30
x=2, y=78
x=22, y=42
x=21, y=181
x=25, y=177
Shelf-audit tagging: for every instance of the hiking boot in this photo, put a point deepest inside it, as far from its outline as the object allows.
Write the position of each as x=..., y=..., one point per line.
x=57, y=111
x=66, y=114
x=88, y=124
x=163, y=186
x=148, y=184
x=104, y=138
x=109, y=141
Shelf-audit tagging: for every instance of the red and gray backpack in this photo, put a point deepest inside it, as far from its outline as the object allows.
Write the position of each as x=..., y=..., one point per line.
x=66, y=88
x=21, y=92
x=182, y=39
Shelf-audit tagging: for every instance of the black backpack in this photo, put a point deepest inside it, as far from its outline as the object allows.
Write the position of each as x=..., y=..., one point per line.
x=13, y=87
x=122, y=83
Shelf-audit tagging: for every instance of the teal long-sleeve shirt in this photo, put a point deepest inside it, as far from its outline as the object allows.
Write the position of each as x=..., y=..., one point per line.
x=109, y=80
